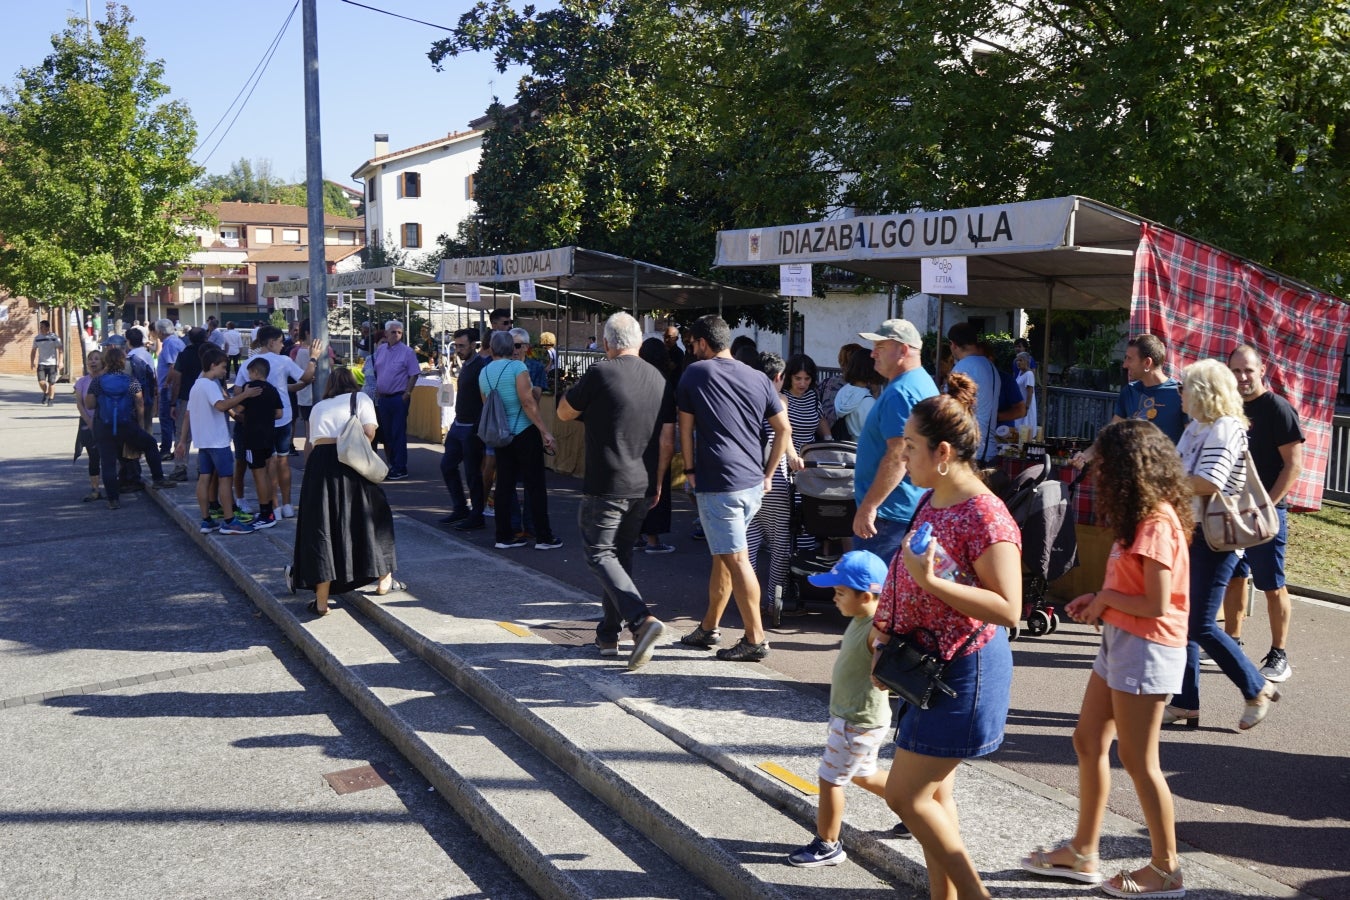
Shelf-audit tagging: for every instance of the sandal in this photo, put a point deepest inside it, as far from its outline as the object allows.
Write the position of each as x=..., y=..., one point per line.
x=289, y=573
x=1038, y=863
x=1171, y=885
x=313, y=606
x=1258, y=706
x=1175, y=715
x=394, y=585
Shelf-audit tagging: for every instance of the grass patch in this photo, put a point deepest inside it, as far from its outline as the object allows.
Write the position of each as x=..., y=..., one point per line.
x=1317, y=555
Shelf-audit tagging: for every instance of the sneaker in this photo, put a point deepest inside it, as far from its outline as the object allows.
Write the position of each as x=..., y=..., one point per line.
x=510, y=545
x=901, y=830
x=1275, y=667
x=397, y=474
x=644, y=642
x=640, y=544
x=490, y=512
x=659, y=548
x=458, y=515
x=608, y=649
x=744, y=651
x=163, y=484
x=241, y=509
x=166, y=456
x=113, y=504
x=243, y=515
x=702, y=638
x=234, y=526
x=131, y=487
x=548, y=544
x=472, y=523
x=267, y=521
x=818, y=853
x=178, y=475
x=207, y=526
x=697, y=533
x=216, y=514
x=287, y=511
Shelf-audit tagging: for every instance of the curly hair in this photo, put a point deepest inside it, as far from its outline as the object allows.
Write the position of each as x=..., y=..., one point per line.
x=950, y=417
x=1137, y=470
x=1210, y=392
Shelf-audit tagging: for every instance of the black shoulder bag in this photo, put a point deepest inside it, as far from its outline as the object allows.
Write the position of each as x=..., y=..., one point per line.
x=906, y=668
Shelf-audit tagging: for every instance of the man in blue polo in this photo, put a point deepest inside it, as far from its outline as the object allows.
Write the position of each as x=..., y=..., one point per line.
x=886, y=497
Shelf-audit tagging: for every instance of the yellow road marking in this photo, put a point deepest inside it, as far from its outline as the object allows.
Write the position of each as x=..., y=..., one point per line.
x=518, y=630
x=789, y=779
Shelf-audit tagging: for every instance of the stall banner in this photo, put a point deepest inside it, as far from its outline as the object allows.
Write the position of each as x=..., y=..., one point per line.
x=370, y=279
x=943, y=275
x=538, y=264
x=794, y=280
x=1008, y=228
x=1203, y=302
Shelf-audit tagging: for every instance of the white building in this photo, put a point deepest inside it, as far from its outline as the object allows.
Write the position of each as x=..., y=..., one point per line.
x=415, y=195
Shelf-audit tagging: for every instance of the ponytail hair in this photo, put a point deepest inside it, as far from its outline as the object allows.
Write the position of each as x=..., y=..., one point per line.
x=950, y=417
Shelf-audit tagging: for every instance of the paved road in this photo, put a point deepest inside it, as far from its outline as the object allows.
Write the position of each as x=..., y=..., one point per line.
x=160, y=738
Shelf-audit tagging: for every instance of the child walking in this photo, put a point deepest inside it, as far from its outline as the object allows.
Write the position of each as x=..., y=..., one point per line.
x=206, y=426
x=860, y=715
x=1142, y=611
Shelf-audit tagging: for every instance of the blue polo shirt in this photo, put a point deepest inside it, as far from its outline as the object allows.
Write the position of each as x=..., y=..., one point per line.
x=886, y=421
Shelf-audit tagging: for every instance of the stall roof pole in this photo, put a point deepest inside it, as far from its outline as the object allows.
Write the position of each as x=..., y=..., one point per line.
x=635, y=290
x=1043, y=382
x=937, y=349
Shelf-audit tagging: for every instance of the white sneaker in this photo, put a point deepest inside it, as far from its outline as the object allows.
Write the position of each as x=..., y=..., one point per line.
x=241, y=506
x=287, y=511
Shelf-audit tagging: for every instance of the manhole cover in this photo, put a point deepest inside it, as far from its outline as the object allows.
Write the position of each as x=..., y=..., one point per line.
x=349, y=781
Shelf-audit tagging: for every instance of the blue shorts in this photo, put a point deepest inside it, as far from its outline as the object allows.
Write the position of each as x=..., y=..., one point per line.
x=972, y=724
x=1265, y=562
x=215, y=461
x=725, y=515
x=281, y=439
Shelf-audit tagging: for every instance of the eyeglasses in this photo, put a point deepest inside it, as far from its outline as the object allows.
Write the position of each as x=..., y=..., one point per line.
x=521, y=346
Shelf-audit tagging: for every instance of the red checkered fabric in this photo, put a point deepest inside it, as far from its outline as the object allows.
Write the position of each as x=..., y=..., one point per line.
x=1203, y=302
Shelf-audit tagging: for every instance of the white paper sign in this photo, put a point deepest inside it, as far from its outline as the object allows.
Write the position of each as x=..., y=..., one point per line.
x=341, y=300
x=794, y=280
x=286, y=303
x=471, y=293
x=370, y=295
x=527, y=290
x=942, y=275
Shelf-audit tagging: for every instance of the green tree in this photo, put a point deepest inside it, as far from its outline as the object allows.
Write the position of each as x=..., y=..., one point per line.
x=248, y=181
x=96, y=175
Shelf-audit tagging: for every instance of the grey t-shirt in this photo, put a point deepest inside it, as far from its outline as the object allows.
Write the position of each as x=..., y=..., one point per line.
x=47, y=346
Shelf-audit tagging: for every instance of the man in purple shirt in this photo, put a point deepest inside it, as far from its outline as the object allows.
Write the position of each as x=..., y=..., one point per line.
x=396, y=371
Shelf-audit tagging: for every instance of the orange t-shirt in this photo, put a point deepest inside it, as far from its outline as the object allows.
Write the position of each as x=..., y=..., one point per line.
x=1158, y=537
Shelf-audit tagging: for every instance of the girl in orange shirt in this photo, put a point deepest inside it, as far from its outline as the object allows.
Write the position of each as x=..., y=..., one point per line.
x=1142, y=611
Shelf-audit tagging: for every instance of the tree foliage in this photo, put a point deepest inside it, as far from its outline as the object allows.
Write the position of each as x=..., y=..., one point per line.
x=644, y=128
x=252, y=181
x=95, y=173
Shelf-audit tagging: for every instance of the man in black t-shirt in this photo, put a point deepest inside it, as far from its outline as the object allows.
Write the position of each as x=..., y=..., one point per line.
x=1276, y=443
x=462, y=445
x=623, y=403
x=255, y=434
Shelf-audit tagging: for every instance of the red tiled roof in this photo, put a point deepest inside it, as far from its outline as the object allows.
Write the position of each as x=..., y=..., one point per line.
x=452, y=136
x=233, y=212
x=289, y=253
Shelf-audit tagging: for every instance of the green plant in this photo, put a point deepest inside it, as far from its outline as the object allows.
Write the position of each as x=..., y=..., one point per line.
x=1095, y=349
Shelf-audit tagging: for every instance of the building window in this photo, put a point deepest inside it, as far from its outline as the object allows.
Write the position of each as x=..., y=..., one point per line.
x=347, y=237
x=290, y=235
x=229, y=235
x=579, y=314
x=468, y=188
x=370, y=189
x=412, y=235
x=410, y=184
x=262, y=235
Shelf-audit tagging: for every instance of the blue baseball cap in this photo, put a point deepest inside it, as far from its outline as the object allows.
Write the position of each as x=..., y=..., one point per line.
x=861, y=570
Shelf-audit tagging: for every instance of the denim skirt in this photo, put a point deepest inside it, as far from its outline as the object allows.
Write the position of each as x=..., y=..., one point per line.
x=972, y=724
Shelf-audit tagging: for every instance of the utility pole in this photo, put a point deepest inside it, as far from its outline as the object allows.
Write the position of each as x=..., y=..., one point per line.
x=318, y=269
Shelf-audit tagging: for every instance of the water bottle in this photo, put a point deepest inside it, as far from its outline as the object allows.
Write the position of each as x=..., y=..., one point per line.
x=943, y=566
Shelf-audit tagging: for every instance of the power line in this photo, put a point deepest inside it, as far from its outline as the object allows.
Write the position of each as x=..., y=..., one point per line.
x=398, y=15
x=254, y=79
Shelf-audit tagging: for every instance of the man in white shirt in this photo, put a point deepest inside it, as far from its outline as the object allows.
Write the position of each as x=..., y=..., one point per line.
x=233, y=341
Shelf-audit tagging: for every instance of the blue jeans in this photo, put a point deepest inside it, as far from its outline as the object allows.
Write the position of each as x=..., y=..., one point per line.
x=166, y=423
x=886, y=541
x=609, y=528
x=462, y=446
x=391, y=411
x=1210, y=573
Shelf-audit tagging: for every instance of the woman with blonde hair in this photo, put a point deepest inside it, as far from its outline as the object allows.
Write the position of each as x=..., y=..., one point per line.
x=962, y=619
x=1213, y=452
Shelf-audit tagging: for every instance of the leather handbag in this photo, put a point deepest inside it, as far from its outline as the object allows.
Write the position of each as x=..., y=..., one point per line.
x=1244, y=520
x=912, y=672
x=355, y=452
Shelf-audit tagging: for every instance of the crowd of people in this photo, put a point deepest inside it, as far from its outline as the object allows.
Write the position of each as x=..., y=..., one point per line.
x=741, y=420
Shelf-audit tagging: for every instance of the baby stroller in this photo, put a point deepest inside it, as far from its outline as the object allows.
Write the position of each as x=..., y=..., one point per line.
x=1041, y=506
x=825, y=512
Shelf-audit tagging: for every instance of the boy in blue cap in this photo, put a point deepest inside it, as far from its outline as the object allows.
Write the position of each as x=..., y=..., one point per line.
x=860, y=715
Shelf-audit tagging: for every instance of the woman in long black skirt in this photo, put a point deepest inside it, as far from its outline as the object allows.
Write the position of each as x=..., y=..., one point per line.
x=344, y=532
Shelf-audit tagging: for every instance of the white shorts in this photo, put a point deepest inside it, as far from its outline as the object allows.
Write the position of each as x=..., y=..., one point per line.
x=850, y=751
x=1132, y=665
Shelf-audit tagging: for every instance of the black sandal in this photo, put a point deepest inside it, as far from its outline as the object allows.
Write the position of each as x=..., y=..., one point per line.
x=313, y=607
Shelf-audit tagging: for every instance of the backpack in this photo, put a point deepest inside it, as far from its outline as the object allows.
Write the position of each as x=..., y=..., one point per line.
x=493, y=429
x=142, y=372
x=114, y=399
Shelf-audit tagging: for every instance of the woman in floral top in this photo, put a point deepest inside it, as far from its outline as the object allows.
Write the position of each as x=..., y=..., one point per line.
x=977, y=532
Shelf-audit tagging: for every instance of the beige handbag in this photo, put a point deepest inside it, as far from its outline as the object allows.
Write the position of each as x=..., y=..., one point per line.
x=354, y=450
x=1246, y=520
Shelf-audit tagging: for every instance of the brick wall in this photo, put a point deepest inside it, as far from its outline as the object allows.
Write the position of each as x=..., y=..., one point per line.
x=19, y=329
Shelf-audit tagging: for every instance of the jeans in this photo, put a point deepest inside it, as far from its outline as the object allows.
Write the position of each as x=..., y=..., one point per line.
x=1210, y=572
x=523, y=460
x=166, y=423
x=609, y=528
x=110, y=452
x=886, y=541
x=391, y=412
x=462, y=446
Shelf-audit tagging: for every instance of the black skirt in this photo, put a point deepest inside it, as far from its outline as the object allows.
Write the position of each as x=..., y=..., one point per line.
x=344, y=531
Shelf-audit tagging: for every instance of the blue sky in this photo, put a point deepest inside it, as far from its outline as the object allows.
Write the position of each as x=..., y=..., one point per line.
x=374, y=75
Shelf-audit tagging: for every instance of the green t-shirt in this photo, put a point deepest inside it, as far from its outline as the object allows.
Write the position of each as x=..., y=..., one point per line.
x=852, y=696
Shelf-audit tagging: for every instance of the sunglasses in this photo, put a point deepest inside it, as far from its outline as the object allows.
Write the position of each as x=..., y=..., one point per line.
x=521, y=346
